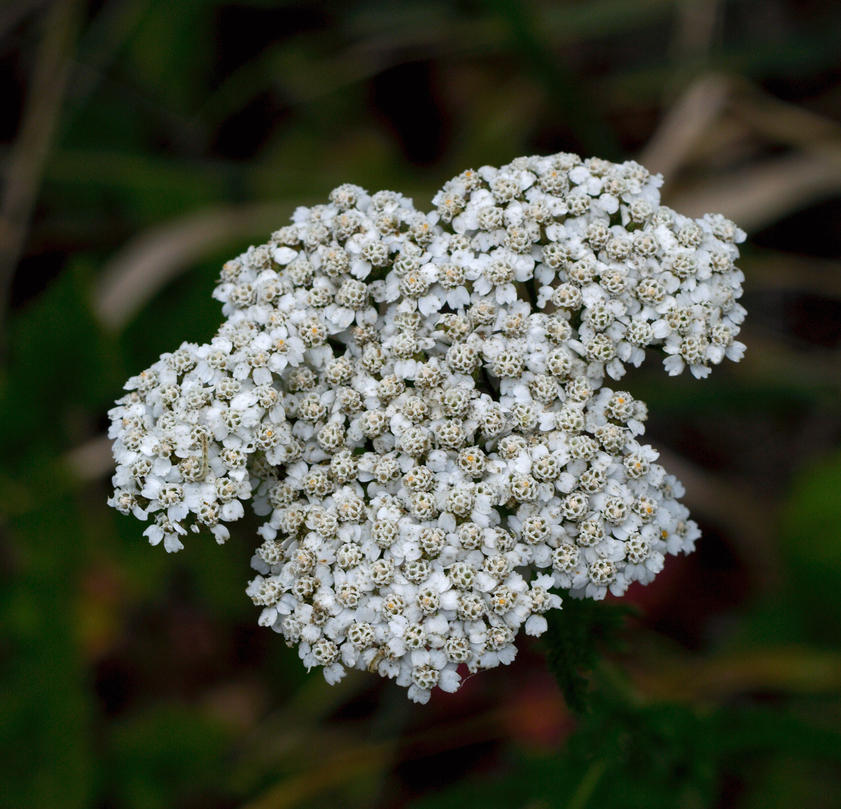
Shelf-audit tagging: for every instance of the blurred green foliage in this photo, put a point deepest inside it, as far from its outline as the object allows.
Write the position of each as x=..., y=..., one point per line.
x=810, y=544
x=651, y=757
x=135, y=681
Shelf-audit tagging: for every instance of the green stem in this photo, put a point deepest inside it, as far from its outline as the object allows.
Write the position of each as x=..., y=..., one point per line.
x=587, y=786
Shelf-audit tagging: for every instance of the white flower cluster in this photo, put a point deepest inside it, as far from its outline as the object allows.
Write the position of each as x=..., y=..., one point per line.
x=415, y=403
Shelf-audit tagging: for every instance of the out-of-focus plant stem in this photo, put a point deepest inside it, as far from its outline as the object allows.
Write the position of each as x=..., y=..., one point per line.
x=30, y=150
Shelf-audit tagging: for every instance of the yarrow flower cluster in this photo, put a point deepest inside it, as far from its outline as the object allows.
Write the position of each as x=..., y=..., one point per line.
x=416, y=405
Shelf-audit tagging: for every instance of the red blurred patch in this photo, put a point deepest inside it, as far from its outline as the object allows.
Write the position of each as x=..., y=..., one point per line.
x=535, y=714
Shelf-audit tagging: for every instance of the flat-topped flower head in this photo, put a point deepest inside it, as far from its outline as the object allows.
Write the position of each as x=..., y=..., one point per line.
x=419, y=407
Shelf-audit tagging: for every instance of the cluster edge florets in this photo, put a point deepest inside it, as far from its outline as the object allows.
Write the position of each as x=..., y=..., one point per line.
x=416, y=405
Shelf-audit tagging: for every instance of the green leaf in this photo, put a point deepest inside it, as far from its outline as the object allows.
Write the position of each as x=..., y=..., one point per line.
x=573, y=641
x=60, y=365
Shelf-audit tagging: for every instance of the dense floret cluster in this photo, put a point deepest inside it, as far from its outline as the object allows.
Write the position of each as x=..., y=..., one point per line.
x=416, y=405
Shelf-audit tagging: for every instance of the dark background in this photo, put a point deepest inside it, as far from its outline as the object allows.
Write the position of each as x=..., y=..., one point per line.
x=143, y=142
